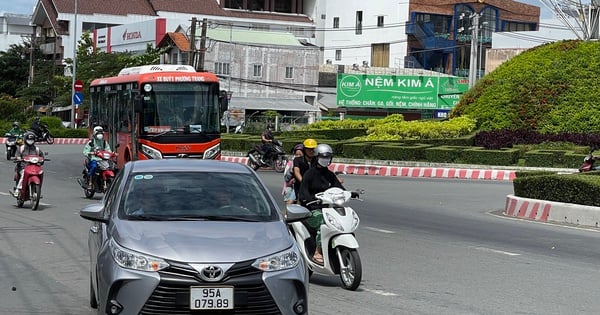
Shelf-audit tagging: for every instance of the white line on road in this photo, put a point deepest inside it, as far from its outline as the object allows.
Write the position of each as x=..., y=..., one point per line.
x=485, y=249
x=380, y=292
x=379, y=230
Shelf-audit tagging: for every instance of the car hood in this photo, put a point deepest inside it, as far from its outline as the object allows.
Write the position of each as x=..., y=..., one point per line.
x=203, y=241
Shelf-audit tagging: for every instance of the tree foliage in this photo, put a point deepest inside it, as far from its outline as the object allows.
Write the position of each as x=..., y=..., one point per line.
x=552, y=88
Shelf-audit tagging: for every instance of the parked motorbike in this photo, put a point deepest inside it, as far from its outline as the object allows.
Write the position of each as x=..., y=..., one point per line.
x=340, y=248
x=277, y=159
x=13, y=141
x=104, y=173
x=588, y=163
x=42, y=133
x=33, y=177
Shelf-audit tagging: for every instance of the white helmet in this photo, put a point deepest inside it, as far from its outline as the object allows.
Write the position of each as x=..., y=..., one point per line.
x=98, y=133
x=324, y=154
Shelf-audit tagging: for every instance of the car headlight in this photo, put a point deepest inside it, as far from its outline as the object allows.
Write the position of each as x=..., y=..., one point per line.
x=334, y=222
x=286, y=259
x=151, y=152
x=129, y=259
x=212, y=152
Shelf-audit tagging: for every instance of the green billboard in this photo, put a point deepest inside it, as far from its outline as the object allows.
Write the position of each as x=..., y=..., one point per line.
x=399, y=92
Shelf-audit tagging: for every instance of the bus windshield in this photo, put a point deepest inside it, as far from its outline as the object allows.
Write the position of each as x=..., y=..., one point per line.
x=181, y=108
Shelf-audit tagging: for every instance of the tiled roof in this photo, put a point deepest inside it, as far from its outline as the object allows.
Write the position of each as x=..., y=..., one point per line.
x=212, y=8
x=111, y=7
x=177, y=39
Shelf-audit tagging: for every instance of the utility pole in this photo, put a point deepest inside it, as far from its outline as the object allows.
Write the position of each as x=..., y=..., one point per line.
x=203, y=44
x=474, y=40
x=192, y=53
x=73, y=105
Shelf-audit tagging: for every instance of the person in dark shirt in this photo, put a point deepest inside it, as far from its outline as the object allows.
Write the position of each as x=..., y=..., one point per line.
x=28, y=148
x=301, y=164
x=318, y=179
x=267, y=138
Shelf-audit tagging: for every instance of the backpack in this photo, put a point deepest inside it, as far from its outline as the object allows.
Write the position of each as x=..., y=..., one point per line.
x=288, y=173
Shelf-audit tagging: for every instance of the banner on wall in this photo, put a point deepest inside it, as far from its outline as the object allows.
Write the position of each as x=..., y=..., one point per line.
x=399, y=92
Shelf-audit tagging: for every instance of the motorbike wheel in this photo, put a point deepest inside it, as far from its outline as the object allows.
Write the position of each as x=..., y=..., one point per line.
x=49, y=139
x=89, y=193
x=279, y=163
x=8, y=153
x=20, y=202
x=351, y=269
x=35, y=191
x=251, y=159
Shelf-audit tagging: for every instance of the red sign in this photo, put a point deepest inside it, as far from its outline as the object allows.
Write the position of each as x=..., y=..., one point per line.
x=78, y=86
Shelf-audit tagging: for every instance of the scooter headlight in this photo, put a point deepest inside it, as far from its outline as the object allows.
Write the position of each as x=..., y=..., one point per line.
x=334, y=222
x=355, y=221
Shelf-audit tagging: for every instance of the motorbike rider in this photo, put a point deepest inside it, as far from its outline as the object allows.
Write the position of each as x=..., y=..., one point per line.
x=318, y=179
x=267, y=138
x=16, y=129
x=304, y=162
x=28, y=148
x=288, y=192
x=35, y=126
x=97, y=142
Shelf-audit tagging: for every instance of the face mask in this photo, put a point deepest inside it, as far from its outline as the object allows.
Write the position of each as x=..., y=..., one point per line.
x=99, y=136
x=323, y=161
x=29, y=142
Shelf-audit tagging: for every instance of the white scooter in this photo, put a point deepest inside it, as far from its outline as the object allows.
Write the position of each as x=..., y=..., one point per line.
x=340, y=248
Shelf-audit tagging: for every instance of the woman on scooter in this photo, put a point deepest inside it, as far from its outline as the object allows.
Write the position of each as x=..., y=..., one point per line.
x=28, y=148
x=318, y=179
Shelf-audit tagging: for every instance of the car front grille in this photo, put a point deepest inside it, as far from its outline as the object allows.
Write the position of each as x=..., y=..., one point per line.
x=172, y=294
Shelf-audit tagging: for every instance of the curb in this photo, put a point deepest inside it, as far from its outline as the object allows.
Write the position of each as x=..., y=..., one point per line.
x=59, y=141
x=405, y=171
x=551, y=211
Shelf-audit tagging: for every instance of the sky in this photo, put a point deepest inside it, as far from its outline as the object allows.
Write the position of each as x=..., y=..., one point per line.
x=26, y=6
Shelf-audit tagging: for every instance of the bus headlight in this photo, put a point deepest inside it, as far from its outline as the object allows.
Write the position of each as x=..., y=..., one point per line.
x=151, y=152
x=212, y=152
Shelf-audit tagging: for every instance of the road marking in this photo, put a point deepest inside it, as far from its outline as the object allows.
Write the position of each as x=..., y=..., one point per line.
x=380, y=292
x=485, y=249
x=379, y=230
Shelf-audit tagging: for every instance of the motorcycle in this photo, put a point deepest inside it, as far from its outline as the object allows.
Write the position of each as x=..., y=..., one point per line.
x=277, y=160
x=13, y=141
x=103, y=176
x=42, y=133
x=340, y=248
x=33, y=177
x=588, y=163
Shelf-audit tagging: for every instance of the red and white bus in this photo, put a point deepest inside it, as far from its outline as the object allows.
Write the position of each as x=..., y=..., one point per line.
x=159, y=112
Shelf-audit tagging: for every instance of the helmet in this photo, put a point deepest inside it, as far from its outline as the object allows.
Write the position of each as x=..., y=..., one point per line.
x=29, y=138
x=16, y=124
x=310, y=143
x=98, y=129
x=324, y=154
x=297, y=147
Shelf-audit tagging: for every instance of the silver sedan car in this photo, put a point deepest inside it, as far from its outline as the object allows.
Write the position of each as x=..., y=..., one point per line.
x=186, y=236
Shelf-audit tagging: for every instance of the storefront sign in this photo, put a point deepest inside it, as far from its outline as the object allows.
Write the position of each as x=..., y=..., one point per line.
x=410, y=92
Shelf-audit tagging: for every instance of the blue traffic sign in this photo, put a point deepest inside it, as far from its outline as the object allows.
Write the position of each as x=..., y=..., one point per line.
x=77, y=98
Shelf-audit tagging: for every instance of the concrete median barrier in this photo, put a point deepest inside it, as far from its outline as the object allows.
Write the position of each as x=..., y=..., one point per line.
x=551, y=211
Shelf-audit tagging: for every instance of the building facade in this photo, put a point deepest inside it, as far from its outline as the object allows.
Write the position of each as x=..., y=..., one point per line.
x=14, y=30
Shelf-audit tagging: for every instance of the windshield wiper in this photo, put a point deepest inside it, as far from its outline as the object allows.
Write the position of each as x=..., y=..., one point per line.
x=214, y=218
x=145, y=217
x=162, y=133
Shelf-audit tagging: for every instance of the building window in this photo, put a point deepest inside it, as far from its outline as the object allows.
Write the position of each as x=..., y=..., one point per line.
x=289, y=72
x=380, y=21
x=222, y=68
x=338, y=54
x=336, y=22
x=257, y=71
x=359, y=22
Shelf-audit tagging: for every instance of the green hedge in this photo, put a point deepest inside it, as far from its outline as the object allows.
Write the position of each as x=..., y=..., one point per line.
x=570, y=188
x=553, y=158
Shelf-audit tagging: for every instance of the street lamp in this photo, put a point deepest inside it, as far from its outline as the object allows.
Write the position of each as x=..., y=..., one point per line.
x=483, y=32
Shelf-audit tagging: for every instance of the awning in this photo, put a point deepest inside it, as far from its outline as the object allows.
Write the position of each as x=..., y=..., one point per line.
x=327, y=98
x=290, y=105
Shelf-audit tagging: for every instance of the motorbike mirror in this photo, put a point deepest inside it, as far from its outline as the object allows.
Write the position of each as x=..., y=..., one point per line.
x=117, y=146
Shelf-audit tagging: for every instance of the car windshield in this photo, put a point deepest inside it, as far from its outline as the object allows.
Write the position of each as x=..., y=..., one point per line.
x=171, y=196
